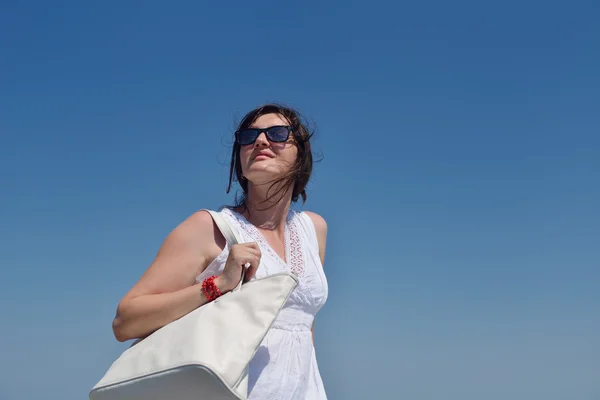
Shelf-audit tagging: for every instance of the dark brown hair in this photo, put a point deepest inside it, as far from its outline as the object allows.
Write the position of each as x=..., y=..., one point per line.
x=299, y=174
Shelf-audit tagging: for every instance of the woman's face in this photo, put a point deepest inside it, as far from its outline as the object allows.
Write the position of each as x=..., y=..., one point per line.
x=264, y=161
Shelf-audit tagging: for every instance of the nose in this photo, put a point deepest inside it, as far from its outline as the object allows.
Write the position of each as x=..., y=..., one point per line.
x=261, y=140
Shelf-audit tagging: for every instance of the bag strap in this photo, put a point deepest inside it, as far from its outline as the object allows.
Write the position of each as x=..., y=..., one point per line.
x=231, y=236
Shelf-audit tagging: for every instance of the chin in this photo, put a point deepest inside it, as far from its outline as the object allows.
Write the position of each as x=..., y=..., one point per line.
x=265, y=169
x=263, y=176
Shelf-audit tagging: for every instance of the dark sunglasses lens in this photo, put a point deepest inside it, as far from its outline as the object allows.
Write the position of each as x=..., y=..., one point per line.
x=278, y=134
x=247, y=136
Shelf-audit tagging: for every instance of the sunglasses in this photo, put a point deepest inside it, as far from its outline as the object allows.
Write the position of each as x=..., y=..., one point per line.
x=276, y=134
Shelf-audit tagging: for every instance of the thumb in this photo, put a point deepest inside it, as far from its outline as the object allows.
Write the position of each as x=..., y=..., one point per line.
x=249, y=272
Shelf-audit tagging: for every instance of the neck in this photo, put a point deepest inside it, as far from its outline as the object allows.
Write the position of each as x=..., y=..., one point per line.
x=267, y=213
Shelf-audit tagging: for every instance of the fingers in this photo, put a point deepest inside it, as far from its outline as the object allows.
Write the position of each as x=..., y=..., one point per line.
x=241, y=255
x=253, y=252
x=251, y=270
x=251, y=259
x=247, y=248
x=251, y=246
x=252, y=256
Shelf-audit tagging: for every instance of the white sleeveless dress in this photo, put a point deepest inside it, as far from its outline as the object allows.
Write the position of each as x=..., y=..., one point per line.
x=285, y=366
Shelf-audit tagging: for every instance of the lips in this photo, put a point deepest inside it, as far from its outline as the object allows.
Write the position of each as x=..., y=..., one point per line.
x=263, y=155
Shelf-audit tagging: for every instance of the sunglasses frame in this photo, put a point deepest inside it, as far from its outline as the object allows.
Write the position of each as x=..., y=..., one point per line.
x=266, y=131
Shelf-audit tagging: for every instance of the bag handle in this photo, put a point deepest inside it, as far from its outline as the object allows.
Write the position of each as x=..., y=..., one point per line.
x=231, y=236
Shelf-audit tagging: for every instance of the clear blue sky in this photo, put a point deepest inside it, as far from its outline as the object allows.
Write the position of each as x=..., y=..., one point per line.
x=460, y=180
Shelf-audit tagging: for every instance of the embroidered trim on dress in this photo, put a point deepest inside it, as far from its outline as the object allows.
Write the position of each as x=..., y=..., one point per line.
x=295, y=256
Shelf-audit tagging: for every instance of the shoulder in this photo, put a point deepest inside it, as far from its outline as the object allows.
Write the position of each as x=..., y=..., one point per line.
x=319, y=223
x=201, y=219
x=206, y=226
x=197, y=231
x=321, y=230
x=198, y=223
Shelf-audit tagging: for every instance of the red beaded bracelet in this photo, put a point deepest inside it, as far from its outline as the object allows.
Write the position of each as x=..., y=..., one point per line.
x=211, y=291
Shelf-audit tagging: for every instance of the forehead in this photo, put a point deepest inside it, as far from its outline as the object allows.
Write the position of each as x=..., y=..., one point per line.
x=267, y=120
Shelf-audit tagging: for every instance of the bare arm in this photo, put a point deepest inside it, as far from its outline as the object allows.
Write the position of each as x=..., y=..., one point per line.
x=321, y=228
x=167, y=290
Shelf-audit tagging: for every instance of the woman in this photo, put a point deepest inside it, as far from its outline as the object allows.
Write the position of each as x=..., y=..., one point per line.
x=272, y=161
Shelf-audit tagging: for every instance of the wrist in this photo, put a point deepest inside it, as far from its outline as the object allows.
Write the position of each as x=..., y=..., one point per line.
x=210, y=288
x=223, y=284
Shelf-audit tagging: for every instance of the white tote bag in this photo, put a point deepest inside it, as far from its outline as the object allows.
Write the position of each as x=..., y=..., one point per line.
x=205, y=354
